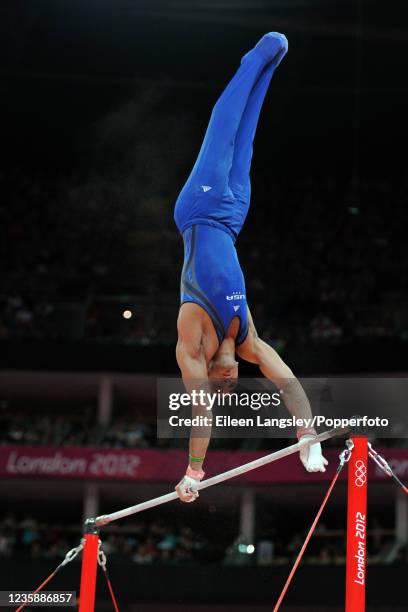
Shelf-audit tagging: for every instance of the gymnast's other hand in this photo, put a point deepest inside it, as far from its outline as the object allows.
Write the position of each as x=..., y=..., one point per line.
x=311, y=456
x=187, y=487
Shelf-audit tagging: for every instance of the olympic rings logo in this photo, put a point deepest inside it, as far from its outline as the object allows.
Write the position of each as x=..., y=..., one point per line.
x=360, y=473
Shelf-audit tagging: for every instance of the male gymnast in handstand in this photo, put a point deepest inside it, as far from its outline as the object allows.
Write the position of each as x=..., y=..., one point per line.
x=214, y=320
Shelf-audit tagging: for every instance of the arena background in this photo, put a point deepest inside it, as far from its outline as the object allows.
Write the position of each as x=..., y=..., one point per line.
x=103, y=107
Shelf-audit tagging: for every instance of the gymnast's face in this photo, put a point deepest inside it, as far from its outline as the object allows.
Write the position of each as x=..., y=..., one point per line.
x=223, y=367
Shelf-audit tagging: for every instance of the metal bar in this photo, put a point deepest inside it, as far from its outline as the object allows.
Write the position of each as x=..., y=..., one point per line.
x=247, y=467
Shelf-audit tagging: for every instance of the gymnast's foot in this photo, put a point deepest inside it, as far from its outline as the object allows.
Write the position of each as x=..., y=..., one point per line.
x=273, y=46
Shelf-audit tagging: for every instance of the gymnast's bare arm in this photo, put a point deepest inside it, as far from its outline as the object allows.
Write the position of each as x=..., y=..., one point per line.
x=255, y=350
x=197, y=343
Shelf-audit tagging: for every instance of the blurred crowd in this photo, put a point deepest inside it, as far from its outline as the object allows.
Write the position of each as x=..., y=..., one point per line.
x=129, y=428
x=75, y=424
x=323, y=259
x=143, y=543
x=78, y=427
x=324, y=267
x=162, y=541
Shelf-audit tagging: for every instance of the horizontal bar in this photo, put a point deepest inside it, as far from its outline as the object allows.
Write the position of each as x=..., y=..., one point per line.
x=104, y=519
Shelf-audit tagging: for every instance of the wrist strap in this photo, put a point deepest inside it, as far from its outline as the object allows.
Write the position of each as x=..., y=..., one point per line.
x=196, y=474
x=305, y=431
x=196, y=458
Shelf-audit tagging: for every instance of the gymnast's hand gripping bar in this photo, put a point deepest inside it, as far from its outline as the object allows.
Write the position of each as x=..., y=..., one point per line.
x=104, y=519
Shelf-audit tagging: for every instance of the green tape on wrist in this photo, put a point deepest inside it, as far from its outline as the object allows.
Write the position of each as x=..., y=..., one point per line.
x=196, y=458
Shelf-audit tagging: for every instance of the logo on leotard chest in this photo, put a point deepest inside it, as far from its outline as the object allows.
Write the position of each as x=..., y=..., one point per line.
x=235, y=295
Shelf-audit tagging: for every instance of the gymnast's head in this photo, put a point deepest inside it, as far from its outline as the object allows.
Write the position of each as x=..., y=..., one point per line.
x=223, y=367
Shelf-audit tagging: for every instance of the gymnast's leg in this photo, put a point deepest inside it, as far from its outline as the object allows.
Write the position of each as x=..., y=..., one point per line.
x=239, y=180
x=216, y=156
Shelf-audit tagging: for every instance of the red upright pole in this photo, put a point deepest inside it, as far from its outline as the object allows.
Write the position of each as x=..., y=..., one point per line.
x=88, y=572
x=357, y=526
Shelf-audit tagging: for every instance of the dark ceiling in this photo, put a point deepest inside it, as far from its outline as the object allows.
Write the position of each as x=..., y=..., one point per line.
x=65, y=64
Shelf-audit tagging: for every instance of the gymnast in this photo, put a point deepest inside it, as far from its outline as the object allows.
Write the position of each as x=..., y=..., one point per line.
x=214, y=323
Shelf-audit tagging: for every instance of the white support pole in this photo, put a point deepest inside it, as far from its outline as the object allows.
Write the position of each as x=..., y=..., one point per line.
x=252, y=465
x=247, y=516
x=91, y=500
x=401, y=517
x=105, y=400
